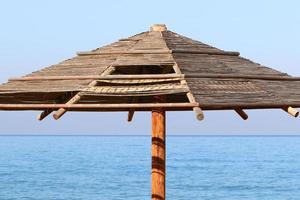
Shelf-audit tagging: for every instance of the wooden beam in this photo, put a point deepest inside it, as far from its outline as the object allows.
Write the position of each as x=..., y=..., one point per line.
x=101, y=77
x=131, y=111
x=292, y=111
x=177, y=69
x=198, y=111
x=241, y=113
x=109, y=69
x=44, y=114
x=62, y=99
x=226, y=53
x=229, y=76
x=62, y=111
x=96, y=106
x=147, y=106
x=156, y=76
x=251, y=105
x=130, y=115
x=73, y=100
x=90, y=53
x=158, y=172
x=183, y=51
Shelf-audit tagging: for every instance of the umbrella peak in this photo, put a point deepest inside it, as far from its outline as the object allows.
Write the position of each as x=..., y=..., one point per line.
x=158, y=27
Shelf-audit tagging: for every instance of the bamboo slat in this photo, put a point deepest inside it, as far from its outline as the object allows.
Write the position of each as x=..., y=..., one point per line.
x=95, y=106
x=97, y=77
x=82, y=53
x=157, y=76
x=137, y=89
x=228, y=76
x=227, y=53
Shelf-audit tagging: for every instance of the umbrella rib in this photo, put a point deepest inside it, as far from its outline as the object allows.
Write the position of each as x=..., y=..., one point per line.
x=198, y=111
x=292, y=111
x=48, y=111
x=76, y=98
x=241, y=113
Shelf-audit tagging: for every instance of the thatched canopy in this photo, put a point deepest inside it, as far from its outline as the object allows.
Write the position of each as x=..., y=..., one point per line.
x=127, y=74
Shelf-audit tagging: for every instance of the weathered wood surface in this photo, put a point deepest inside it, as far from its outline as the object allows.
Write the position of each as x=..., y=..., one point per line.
x=44, y=114
x=292, y=111
x=224, y=53
x=183, y=51
x=217, y=79
x=211, y=63
x=139, y=90
x=242, y=92
x=198, y=111
x=98, y=77
x=130, y=115
x=241, y=113
x=155, y=76
x=158, y=172
x=95, y=106
x=62, y=111
x=87, y=53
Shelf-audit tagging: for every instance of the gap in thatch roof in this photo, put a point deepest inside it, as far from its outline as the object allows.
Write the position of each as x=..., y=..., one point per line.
x=142, y=69
x=91, y=98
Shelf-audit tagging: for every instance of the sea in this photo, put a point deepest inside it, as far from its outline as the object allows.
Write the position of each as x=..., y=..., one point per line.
x=119, y=167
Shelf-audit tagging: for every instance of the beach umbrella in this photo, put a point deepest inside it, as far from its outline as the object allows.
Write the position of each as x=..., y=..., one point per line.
x=157, y=71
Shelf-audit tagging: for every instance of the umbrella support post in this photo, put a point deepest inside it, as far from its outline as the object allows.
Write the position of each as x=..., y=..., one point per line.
x=158, y=172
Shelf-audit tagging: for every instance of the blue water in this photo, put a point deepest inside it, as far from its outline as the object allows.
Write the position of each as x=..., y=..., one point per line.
x=112, y=168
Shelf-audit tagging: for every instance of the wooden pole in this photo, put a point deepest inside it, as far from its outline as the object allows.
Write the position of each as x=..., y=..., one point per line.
x=62, y=111
x=44, y=114
x=198, y=111
x=292, y=111
x=130, y=115
x=158, y=153
x=99, y=107
x=241, y=113
x=73, y=100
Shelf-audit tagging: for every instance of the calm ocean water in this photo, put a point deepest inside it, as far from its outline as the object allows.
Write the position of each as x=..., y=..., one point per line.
x=113, y=168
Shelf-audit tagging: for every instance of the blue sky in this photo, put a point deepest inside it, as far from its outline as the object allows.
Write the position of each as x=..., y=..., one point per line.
x=36, y=34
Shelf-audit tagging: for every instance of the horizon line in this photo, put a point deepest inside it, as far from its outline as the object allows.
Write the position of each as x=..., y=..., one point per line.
x=148, y=135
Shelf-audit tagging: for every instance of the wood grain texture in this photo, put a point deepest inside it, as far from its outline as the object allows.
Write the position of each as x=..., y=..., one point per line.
x=158, y=172
x=82, y=107
x=217, y=79
x=292, y=111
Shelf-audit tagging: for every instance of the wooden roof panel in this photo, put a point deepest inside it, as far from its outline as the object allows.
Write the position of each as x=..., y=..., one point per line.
x=176, y=41
x=144, y=59
x=122, y=44
x=43, y=86
x=245, y=93
x=216, y=78
x=221, y=64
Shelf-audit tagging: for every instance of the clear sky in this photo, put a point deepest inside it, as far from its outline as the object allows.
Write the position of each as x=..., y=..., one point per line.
x=36, y=34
